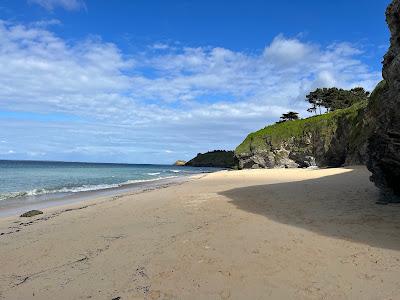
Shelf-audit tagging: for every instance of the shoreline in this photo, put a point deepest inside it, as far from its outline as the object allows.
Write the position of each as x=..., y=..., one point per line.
x=278, y=233
x=15, y=207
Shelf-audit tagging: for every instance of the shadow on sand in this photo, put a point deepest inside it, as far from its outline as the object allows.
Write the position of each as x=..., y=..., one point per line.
x=340, y=206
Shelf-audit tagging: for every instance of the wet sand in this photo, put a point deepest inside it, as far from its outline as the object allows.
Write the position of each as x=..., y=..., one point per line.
x=252, y=234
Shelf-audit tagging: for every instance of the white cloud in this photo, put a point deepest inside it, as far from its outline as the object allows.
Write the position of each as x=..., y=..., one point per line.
x=47, y=23
x=66, y=4
x=160, y=46
x=185, y=99
x=35, y=154
x=283, y=51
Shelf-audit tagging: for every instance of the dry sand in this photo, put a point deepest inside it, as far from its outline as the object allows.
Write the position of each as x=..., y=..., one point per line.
x=254, y=234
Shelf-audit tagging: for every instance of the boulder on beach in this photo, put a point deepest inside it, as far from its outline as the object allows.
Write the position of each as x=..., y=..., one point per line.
x=31, y=213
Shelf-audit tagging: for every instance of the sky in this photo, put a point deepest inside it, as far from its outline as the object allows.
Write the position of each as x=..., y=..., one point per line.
x=150, y=81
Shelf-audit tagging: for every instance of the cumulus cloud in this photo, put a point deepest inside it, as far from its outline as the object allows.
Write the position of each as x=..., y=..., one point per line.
x=284, y=52
x=188, y=99
x=66, y=4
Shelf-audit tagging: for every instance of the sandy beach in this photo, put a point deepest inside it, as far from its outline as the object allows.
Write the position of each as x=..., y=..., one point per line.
x=251, y=234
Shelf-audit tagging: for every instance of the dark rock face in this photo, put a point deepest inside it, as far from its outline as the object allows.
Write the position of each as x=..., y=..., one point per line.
x=384, y=144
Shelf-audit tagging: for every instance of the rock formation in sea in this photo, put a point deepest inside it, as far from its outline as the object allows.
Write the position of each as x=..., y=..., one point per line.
x=180, y=163
x=384, y=144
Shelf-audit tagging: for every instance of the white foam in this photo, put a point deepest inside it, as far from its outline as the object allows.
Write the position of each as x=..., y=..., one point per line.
x=154, y=174
x=83, y=188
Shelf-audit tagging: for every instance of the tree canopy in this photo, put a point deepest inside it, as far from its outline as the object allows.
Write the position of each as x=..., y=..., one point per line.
x=334, y=98
x=290, y=116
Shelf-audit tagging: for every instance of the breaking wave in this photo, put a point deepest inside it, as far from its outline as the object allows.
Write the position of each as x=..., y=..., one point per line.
x=77, y=189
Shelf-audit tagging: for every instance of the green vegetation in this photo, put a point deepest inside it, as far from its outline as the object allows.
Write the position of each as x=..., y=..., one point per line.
x=290, y=116
x=334, y=98
x=376, y=96
x=321, y=126
x=216, y=158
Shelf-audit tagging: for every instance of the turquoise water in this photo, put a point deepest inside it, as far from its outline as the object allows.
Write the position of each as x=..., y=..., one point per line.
x=31, y=179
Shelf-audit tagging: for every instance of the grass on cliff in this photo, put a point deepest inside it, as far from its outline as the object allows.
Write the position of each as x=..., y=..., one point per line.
x=324, y=124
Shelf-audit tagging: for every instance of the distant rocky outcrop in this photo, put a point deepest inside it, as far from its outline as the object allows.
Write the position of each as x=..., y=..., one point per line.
x=180, y=163
x=384, y=144
x=217, y=159
x=332, y=139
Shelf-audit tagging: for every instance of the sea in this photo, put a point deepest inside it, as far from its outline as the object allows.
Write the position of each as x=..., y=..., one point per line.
x=38, y=184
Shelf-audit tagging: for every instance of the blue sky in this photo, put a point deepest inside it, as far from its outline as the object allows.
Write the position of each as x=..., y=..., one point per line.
x=156, y=81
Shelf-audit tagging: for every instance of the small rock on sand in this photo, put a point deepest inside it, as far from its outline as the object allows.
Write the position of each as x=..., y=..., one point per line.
x=31, y=213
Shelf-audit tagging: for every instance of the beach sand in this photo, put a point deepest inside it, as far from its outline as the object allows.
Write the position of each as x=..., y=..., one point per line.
x=251, y=234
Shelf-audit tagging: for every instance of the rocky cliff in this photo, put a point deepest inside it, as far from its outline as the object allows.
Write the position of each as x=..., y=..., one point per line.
x=333, y=139
x=217, y=159
x=384, y=144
